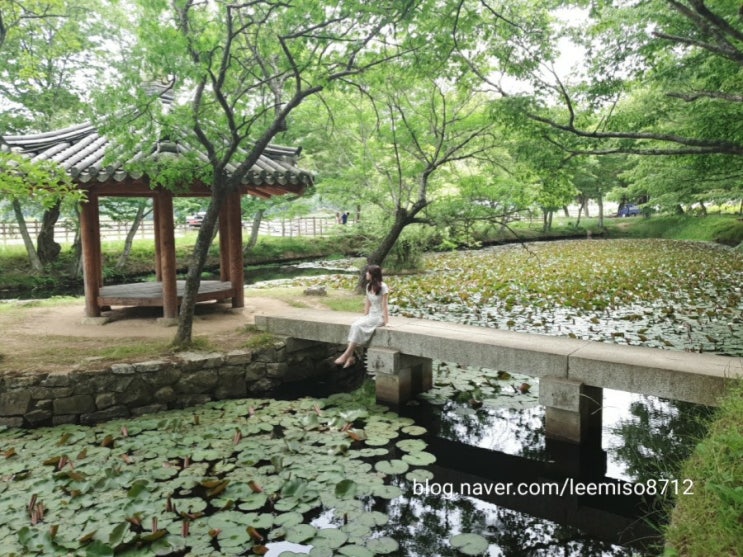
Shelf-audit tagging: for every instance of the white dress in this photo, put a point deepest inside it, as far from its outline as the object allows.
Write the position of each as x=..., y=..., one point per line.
x=363, y=328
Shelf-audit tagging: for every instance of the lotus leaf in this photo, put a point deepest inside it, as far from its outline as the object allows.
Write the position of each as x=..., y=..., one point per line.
x=414, y=430
x=345, y=489
x=419, y=458
x=253, y=502
x=357, y=532
x=288, y=519
x=469, y=544
x=383, y=545
x=419, y=475
x=392, y=467
x=373, y=518
x=376, y=441
x=332, y=538
x=321, y=552
x=355, y=551
x=411, y=445
x=387, y=491
x=300, y=533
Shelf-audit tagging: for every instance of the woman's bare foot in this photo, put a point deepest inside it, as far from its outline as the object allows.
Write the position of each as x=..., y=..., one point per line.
x=340, y=361
x=349, y=363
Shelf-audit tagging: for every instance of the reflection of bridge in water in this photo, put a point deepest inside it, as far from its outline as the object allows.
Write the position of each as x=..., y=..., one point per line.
x=617, y=516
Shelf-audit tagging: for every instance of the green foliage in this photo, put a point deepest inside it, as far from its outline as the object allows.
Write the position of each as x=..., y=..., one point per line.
x=722, y=229
x=43, y=181
x=707, y=522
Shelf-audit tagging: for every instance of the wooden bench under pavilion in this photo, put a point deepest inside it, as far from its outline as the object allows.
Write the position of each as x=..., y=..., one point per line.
x=80, y=150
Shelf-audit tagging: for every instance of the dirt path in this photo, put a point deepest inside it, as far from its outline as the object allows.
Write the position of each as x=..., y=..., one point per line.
x=54, y=338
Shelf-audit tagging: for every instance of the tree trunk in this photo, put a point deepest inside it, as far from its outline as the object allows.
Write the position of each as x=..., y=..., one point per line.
x=33, y=257
x=600, y=200
x=47, y=249
x=704, y=208
x=377, y=257
x=254, y=229
x=124, y=257
x=566, y=211
x=199, y=255
x=76, y=265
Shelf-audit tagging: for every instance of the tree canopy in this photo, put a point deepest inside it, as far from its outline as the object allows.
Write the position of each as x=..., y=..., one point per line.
x=429, y=110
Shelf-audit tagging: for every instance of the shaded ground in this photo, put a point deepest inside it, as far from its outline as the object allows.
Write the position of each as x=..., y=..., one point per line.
x=54, y=338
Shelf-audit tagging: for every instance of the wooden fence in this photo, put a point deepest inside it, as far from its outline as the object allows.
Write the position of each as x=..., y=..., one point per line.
x=64, y=232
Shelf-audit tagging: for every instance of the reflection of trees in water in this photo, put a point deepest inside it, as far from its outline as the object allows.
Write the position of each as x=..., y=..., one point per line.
x=518, y=431
x=424, y=525
x=659, y=436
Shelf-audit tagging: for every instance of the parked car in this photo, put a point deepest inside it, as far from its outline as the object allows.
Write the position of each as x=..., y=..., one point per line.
x=629, y=210
x=195, y=220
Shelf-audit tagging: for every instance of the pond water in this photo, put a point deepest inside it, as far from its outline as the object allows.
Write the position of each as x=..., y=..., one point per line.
x=340, y=475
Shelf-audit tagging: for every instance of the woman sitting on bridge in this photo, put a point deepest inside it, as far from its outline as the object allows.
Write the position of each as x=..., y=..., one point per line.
x=376, y=314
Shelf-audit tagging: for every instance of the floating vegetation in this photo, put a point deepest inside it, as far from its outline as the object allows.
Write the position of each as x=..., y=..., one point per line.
x=657, y=293
x=228, y=478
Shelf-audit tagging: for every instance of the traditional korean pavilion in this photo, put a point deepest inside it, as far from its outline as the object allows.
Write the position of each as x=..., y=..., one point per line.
x=80, y=150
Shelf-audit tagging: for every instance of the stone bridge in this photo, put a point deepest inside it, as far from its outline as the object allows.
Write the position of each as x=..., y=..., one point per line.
x=571, y=372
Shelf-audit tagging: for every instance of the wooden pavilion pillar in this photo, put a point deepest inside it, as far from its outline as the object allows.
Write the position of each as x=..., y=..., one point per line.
x=166, y=244
x=158, y=254
x=90, y=232
x=235, y=246
x=224, y=242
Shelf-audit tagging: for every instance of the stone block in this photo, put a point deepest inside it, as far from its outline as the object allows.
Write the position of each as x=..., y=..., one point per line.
x=37, y=418
x=14, y=421
x=150, y=367
x=238, y=357
x=278, y=370
x=231, y=384
x=15, y=403
x=197, y=382
x=56, y=380
x=113, y=413
x=105, y=400
x=165, y=395
x=394, y=389
x=64, y=419
x=77, y=404
x=123, y=369
x=383, y=360
x=191, y=361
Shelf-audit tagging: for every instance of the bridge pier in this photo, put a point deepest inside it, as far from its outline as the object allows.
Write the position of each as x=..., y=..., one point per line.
x=572, y=410
x=399, y=377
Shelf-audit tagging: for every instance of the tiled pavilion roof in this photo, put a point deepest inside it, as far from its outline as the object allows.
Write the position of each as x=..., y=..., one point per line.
x=80, y=150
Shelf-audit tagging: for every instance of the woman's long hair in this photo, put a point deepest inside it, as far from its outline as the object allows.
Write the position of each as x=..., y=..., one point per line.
x=375, y=284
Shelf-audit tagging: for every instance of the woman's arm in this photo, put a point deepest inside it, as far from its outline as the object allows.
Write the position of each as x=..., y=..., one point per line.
x=385, y=308
x=367, y=305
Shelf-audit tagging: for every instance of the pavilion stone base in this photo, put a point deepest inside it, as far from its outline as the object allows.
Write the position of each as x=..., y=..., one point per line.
x=399, y=377
x=572, y=410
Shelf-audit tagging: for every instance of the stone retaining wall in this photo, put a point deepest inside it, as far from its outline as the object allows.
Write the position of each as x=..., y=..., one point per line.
x=122, y=390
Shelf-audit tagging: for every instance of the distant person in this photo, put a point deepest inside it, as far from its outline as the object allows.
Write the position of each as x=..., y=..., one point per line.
x=338, y=217
x=344, y=217
x=376, y=314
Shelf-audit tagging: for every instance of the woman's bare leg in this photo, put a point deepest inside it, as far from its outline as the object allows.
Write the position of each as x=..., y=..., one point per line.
x=347, y=354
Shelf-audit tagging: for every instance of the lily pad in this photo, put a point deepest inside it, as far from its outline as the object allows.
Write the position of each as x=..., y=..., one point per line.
x=300, y=533
x=392, y=467
x=420, y=458
x=383, y=545
x=469, y=544
x=355, y=551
